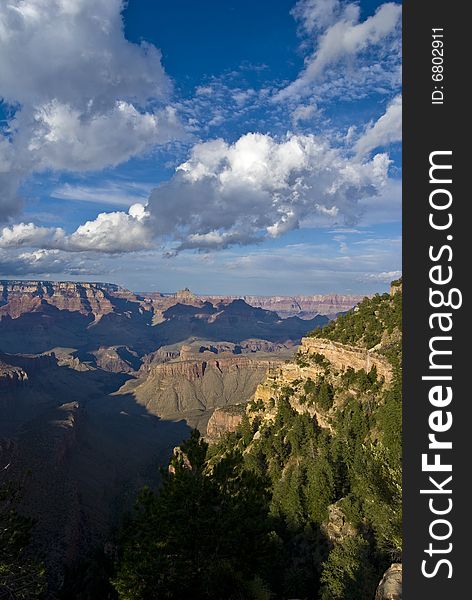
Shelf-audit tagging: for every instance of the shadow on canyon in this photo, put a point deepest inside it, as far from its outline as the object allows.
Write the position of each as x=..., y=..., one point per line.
x=81, y=450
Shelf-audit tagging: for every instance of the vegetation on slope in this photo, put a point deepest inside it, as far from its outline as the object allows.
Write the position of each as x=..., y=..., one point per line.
x=284, y=507
x=368, y=324
x=21, y=577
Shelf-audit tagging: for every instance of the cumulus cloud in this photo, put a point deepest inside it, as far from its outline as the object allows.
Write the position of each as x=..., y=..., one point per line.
x=113, y=232
x=256, y=188
x=74, y=50
x=386, y=130
x=340, y=36
x=37, y=262
x=260, y=187
x=83, y=97
x=64, y=138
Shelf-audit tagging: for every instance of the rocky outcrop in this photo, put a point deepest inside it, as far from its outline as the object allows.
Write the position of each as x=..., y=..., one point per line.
x=390, y=588
x=117, y=359
x=197, y=347
x=224, y=420
x=343, y=356
x=10, y=376
x=16, y=369
x=292, y=375
x=396, y=287
x=337, y=527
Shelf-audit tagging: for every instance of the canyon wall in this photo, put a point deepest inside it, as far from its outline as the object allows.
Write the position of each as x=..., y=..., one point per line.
x=96, y=299
x=224, y=420
x=343, y=356
x=183, y=386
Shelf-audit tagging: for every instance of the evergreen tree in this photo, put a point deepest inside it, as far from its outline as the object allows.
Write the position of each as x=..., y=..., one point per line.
x=201, y=535
x=21, y=576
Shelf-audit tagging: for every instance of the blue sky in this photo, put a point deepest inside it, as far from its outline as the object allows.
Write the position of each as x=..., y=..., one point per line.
x=231, y=147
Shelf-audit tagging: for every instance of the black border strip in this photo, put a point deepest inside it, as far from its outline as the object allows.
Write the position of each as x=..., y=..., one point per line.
x=429, y=127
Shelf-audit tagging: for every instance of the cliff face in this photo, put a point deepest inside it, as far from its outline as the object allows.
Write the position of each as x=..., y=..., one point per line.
x=390, y=588
x=304, y=306
x=77, y=449
x=16, y=369
x=343, y=356
x=89, y=299
x=294, y=374
x=11, y=377
x=224, y=420
x=117, y=359
x=191, y=387
x=37, y=316
x=19, y=297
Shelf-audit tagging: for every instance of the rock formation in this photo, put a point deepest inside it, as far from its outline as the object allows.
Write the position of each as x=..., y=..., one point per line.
x=343, y=356
x=224, y=420
x=337, y=527
x=191, y=387
x=305, y=307
x=11, y=376
x=390, y=588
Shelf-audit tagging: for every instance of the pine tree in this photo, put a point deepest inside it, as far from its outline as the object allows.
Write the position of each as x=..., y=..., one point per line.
x=21, y=576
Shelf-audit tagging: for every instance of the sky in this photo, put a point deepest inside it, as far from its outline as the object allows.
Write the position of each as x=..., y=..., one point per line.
x=233, y=147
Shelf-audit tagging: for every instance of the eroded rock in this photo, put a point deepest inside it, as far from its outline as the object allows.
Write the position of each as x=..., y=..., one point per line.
x=390, y=587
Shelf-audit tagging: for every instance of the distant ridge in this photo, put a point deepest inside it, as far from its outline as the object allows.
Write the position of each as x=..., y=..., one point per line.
x=94, y=297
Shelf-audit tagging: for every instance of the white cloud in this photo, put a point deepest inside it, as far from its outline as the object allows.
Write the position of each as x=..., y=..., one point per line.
x=386, y=130
x=304, y=112
x=113, y=232
x=260, y=187
x=340, y=38
x=383, y=276
x=30, y=235
x=61, y=137
x=85, y=97
x=226, y=194
x=37, y=262
x=74, y=50
x=315, y=14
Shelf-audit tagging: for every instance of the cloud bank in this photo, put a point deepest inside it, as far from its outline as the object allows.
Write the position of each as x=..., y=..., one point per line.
x=256, y=188
x=79, y=95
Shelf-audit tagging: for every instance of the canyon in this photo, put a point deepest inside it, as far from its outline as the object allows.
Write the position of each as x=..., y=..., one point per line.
x=99, y=384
